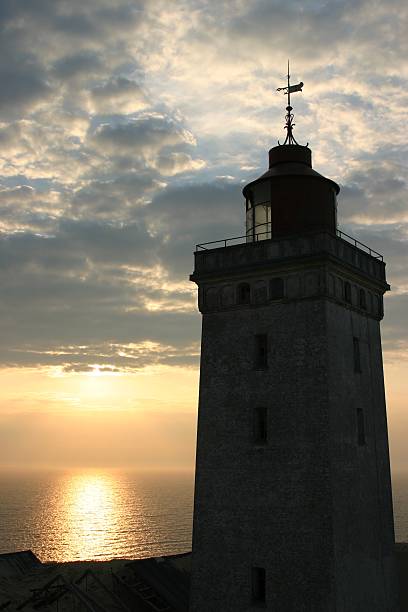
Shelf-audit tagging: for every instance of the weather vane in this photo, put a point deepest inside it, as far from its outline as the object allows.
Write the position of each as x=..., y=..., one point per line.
x=290, y=139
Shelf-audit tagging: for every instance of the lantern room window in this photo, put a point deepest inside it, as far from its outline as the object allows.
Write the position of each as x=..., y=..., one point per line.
x=258, y=213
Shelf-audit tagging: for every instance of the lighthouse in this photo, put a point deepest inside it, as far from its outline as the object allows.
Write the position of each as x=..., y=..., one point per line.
x=293, y=506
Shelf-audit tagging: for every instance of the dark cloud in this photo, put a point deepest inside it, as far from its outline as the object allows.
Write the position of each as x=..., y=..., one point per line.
x=85, y=63
x=49, y=40
x=190, y=214
x=206, y=210
x=375, y=192
x=313, y=33
x=25, y=89
x=316, y=27
x=119, y=94
x=142, y=136
x=75, y=18
x=75, y=241
x=115, y=198
x=23, y=77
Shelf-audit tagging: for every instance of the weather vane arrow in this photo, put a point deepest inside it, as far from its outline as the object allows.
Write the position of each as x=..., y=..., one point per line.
x=291, y=88
x=290, y=139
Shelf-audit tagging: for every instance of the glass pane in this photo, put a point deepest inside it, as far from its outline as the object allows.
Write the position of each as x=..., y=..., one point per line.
x=260, y=215
x=262, y=222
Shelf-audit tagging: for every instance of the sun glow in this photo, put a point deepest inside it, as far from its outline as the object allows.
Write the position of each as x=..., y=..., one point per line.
x=98, y=419
x=97, y=388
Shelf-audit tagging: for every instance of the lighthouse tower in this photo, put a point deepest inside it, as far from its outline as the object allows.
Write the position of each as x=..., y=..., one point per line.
x=293, y=508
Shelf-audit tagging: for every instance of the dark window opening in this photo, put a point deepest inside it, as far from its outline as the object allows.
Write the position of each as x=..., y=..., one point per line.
x=261, y=351
x=360, y=427
x=380, y=307
x=363, y=300
x=356, y=351
x=258, y=584
x=244, y=293
x=276, y=288
x=260, y=425
x=347, y=292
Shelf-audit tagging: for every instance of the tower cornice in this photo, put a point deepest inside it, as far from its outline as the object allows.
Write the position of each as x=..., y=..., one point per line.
x=264, y=253
x=308, y=267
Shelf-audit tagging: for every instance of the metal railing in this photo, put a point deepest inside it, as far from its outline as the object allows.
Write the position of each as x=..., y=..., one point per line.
x=246, y=238
x=359, y=244
x=250, y=238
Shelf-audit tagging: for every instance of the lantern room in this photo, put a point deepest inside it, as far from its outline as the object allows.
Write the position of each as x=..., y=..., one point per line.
x=290, y=198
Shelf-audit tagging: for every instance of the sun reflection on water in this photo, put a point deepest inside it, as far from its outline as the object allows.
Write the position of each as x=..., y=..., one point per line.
x=96, y=514
x=91, y=507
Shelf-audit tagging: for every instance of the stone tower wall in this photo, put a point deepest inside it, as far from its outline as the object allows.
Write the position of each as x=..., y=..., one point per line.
x=312, y=506
x=362, y=503
x=267, y=506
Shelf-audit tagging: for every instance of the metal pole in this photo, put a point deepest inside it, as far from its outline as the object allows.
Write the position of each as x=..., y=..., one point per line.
x=288, y=86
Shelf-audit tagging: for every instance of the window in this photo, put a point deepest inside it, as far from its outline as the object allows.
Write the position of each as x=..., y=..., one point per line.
x=362, y=299
x=260, y=425
x=347, y=292
x=258, y=584
x=379, y=304
x=360, y=427
x=243, y=293
x=276, y=288
x=261, y=351
x=356, y=351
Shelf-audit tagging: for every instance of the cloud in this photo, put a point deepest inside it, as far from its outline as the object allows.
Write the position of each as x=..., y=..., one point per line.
x=23, y=208
x=41, y=151
x=25, y=90
x=82, y=64
x=175, y=163
x=97, y=289
x=118, y=95
x=375, y=192
x=115, y=199
x=119, y=119
x=197, y=209
x=143, y=136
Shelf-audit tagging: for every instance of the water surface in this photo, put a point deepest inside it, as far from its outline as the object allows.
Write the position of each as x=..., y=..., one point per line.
x=78, y=515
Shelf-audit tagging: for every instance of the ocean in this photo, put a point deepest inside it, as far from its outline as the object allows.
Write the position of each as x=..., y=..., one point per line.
x=105, y=514
x=96, y=514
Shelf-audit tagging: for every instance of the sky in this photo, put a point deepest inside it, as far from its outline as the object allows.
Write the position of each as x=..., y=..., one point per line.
x=127, y=131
